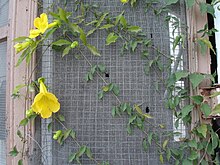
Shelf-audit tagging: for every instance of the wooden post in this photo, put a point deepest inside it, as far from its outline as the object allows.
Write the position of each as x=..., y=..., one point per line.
x=21, y=16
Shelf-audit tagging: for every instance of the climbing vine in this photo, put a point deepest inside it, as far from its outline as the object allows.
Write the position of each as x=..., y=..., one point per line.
x=197, y=147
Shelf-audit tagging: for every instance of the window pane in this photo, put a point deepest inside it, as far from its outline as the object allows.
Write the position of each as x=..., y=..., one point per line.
x=3, y=48
x=3, y=12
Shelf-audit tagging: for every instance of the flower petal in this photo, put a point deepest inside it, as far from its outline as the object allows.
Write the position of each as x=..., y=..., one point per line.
x=45, y=113
x=37, y=22
x=44, y=18
x=43, y=88
x=34, y=33
x=53, y=103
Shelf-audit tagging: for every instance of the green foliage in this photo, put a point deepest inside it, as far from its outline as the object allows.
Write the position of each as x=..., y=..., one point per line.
x=130, y=37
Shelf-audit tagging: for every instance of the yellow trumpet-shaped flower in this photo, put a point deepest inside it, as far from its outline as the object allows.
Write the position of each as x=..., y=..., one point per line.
x=41, y=24
x=21, y=46
x=45, y=102
x=124, y=1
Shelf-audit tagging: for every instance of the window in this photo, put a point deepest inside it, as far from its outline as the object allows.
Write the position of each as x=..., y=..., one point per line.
x=3, y=52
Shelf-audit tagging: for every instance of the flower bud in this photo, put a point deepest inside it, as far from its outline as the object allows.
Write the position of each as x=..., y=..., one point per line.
x=57, y=134
x=74, y=44
x=55, y=23
x=21, y=46
x=124, y=1
x=29, y=113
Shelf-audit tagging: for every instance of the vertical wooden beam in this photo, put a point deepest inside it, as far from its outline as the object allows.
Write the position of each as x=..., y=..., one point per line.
x=197, y=61
x=21, y=16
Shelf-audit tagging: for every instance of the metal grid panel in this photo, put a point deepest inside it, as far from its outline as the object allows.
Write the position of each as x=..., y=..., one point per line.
x=3, y=48
x=90, y=117
x=3, y=12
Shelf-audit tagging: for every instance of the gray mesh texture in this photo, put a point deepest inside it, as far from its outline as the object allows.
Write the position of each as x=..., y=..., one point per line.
x=91, y=118
x=3, y=48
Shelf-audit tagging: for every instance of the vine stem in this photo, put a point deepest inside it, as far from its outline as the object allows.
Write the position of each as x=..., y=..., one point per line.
x=159, y=145
x=73, y=139
x=65, y=129
x=99, y=75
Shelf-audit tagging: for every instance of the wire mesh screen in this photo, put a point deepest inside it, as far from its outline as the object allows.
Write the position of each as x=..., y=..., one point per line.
x=90, y=117
x=3, y=12
x=3, y=48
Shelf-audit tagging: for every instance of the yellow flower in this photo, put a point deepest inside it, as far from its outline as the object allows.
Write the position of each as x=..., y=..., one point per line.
x=124, y=1
x=21, y=46
x=45, y=102
x=41, y=23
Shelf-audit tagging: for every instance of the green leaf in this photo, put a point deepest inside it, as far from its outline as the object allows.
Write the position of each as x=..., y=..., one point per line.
x=105, y=88
x=192, y=143
x=193, y=155
x=165, y=143
x=181, y=74
x=93, y=50
x=118, y=17
x=20, y=162
x=107, y=26
x=82, y=150
x=202, y=129
x=170, y=2
x=123, y=21
x=21, y=39
x=187, y=162
x=19, y=134
x=129, y=129
x=113, y=111
x=116, y=90
x=144, y=144
x=176, y=41
x=197, y=99
x=101, y=68
x=100, y=95
x=132, y=118
x=161, y=159
x=14, y=152
x=91, y=32
x=190, y=3
x=216, y=110
x=63, y=14
x=66, y=51
x=111, y=38
x=134, y=29
x=138, y=109
x=204, y=44
x=215, y=140
x=23, y=122
x=67, y=134
x=196, y=79
x=73, y=135
x=206, y=109
x=168, y=154
x=83, y=37
x=101, y=19
x=72, y=157
x=61, y=42
x=61, y=117
x=215, y=94
x=88, y=153
x=186, y=110
x=150, y=137
x=49, y=126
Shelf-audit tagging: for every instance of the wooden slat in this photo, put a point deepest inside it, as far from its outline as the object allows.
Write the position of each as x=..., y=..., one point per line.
x=21, y=16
